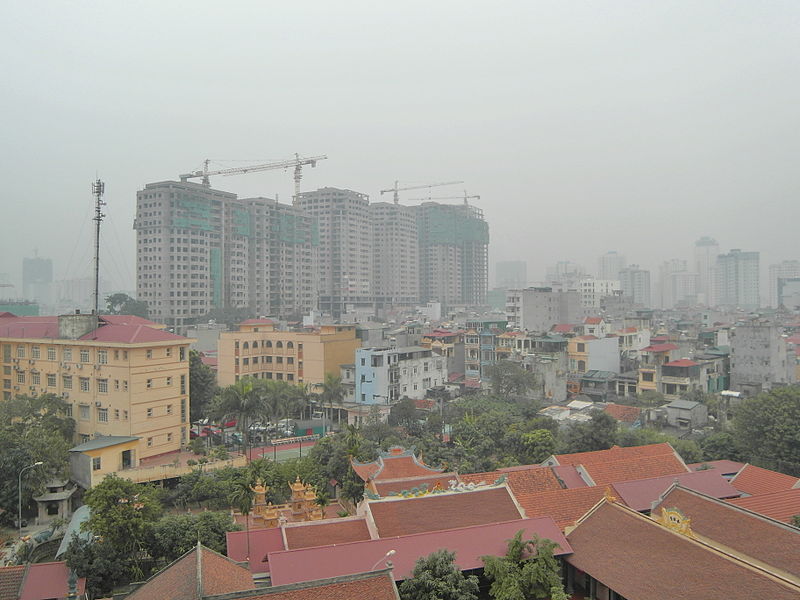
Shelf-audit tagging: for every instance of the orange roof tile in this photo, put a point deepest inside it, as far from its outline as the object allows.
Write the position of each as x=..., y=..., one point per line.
x=443, y=511
x=385, y=487
x=643, y=467
x=324, y=533
x=11, y=580
x=614, y=453
x=525, y=479
x=397, y=463
x=781, y=506
x=375, y=586
x=565, y=506
x=755, y=480
x=621, y=412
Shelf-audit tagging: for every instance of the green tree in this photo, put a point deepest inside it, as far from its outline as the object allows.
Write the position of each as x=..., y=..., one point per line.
x=332, y=392
x=174, y=535
x=540, y=444
x=767, y=429
x=597, y=434
x=528, y=571
x=243, y=496
x=404, y=414
x=102, y=566
x=796, y=520
x=720, y=446
x=241, y=401
x=122, y=304
x=437, y=577
x=510, y=379
x=202, y=386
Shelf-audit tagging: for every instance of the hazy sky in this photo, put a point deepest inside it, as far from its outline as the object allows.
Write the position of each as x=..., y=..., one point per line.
x=585, y=127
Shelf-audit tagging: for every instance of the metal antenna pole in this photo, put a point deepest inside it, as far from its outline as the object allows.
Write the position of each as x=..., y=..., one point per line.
x=98, y=188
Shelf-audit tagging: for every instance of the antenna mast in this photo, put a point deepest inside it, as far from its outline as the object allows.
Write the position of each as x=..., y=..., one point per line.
x=98, y=188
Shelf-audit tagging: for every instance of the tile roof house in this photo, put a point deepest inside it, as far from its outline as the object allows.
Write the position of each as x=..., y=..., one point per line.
x=618, y=549
x=373, y=585
x=754, y=480
x=199, y=573
x=623, y=413
x=39, y=581
x=782, y=506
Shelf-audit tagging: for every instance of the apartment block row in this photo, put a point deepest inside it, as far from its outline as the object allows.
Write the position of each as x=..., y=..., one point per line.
x=200, y=249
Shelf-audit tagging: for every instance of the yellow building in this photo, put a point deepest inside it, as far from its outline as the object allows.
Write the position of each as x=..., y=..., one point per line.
x=122, y=376
x=261, y=351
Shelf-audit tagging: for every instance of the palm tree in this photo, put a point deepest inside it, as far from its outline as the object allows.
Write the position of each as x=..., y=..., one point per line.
x=304, y=395
x=333, y=392
x=242, y=497
x=242, y=402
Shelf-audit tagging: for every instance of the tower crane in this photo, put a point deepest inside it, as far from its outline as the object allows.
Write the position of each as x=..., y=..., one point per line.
x=465, y=198
x=396, y=189
x=297, y=162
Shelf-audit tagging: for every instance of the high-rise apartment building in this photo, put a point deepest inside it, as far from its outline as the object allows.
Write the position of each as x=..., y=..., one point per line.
x=676, y=285
x=344, y=256
x=453, y=253
x=510, y=274
x=635, y=282
x=787, y=269
x=37, y=279
x=706, y=251
x=200, y=249
x=609, y=265
x=592, y=291
x=395, y=269
x=539, y=308
x=736, y=278
x=566, y=272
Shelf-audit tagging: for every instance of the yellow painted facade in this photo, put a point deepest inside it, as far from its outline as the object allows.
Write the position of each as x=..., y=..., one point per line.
x=259, y=350
x=112, y=388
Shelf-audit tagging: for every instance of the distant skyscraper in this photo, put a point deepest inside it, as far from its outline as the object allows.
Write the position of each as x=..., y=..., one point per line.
x=609, y=265
x=37, y=279
x=706, y=251
x=676, y=285
x=395, y=267
x=511, y=274
x=787, y=269
x=345, y=253
x=736, y=277
x=453, y=253
x=566, y=272
x=635, y=282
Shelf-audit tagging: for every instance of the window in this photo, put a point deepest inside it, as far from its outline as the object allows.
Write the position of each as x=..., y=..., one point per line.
x=20, y=376
x=149, y=442
x=116, y=414
x=116, y=385
x=290, y=360
x=647, y=377
x=68, y=410
x=581, y=347
x=149, y=383
x=66, y=381
x=169, y=409
x=102, y=386
x=20, y=351
x=124, y=385
x=84, y=412
x=102, y=357
x=279, y=359
x=67, y=354
x=51, y=380
x=35, y=352
x=124, y=415
x=51, y=354
x=169, y=380
x=169, y=437
x=96, y=463
x=84, y=355
x=84, y=383
x=289, y=345
x=116, y=354
x=124, y=355
x=183, y=384
x=169, y=351
x=102, y=415
x=36, y=378
x=149, y=412
x=148, y=354
x=182, y=352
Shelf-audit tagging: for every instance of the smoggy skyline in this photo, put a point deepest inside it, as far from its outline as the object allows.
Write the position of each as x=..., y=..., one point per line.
x=584, y=128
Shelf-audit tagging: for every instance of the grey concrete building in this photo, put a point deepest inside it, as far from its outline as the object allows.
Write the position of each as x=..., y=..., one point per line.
x=706, y=251
x=736, y=279
x=787, y=269
x=760, y=358
x=395, y=269
x=609, y=265
x=635, y=282
x=539, y=308
x=511, y=274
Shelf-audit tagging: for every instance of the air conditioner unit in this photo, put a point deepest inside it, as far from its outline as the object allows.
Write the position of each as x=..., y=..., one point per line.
x=31, y=361
x=16, y=387
x=98, y=404
x=15, y=361
x=79, y=366
x=32, y=388
x=65, y=394
x=96, y=367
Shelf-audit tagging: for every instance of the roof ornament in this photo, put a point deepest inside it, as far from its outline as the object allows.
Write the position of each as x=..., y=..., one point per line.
x=609, y=496
x=675, y=520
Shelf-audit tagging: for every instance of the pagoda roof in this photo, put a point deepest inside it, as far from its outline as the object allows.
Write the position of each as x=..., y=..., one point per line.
x=396, y=463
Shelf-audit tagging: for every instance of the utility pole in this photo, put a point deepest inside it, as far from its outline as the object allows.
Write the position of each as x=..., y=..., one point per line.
x=98, y=188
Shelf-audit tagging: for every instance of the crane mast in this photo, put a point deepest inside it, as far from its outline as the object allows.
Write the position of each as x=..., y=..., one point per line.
x=465, y=198
x=396, y=188
x=298, y=162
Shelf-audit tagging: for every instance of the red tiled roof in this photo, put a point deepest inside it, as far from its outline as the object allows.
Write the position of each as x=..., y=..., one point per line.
x=569, y=476
x=660, y=348
x=522, y=479
x=587, y=337
x=181, y=580
x=592, y=320
x=131, y=334
x=636, y=468
x=564, y=506
x=11, y=579
x=795, y=339
x=443, y=511
x=385, y=487
x=48, y=580
x=621, y=412
x=781, y=506
x=127, y=329
x=683, y=362
x=640, y=494
x=261, y=543
x=639, y=558
x=323, y=533
x=769, y=541
x=424, y=404
x=562, y=328
x=628, y=330
x=374, y=586
x=725, y=467
x=468, y=543
x=614, y=453
x=755, y=480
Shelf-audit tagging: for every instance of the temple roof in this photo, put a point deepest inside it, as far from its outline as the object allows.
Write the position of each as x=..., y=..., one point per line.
x=397, y=463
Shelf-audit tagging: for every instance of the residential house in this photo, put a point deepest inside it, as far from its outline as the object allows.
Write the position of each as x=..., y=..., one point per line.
x=386, y=375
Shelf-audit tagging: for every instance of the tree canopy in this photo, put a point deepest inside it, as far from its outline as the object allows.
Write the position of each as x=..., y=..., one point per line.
x=437, y=577
x=510, y=379
x=122, y=304
x=202, y=386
